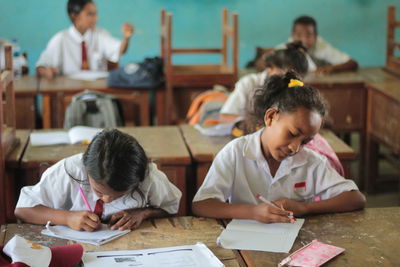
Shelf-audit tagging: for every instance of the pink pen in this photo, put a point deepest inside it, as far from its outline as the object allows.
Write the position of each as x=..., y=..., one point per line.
x=84, y=199
x=260, y=197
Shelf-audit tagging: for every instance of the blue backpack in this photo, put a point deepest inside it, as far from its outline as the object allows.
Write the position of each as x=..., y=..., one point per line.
x=147, y=74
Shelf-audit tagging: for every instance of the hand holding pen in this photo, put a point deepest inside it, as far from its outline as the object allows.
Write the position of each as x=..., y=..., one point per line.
x=278, y=212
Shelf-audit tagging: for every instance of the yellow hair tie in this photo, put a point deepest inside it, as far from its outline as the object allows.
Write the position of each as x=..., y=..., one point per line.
x=294, y=82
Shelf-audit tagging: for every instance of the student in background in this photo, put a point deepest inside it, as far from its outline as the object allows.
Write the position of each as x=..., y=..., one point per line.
x=290, y=58
x=273, y=163
x=111, y=182
x=322, y=57
x=83, y=46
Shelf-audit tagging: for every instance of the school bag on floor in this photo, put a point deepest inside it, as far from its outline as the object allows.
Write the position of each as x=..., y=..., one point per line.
x=146, y=74
x=205, y=108
x=94, y=109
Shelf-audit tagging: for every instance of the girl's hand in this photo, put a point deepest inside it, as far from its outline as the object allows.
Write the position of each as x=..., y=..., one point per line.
x=298, y=208
x=83, y=220
x=127, y=219
x=266, y=213
x=127, y=30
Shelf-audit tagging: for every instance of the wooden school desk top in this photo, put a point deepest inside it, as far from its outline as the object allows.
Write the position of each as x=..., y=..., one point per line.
x=13, y=159
x=204, y=148
x=370, y=237
x=27, y=84
x=164, y=144
x=157, y=233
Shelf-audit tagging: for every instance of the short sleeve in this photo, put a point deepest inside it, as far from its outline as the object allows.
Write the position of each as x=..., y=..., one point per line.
x=328, y=53
x=219, y=180
x=51, y=56
x=52, y=191
x=111, y=46
x=161, y=193
x=330, y=183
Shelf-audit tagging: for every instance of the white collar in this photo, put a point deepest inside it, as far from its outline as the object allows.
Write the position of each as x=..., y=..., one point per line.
x=78, y=37
x=252, y=150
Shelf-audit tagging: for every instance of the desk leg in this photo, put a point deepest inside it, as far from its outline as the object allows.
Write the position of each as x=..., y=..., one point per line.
x=145, y=109
x=201, y=172
x=160, y=107
x=46, y=111
x=371, y=165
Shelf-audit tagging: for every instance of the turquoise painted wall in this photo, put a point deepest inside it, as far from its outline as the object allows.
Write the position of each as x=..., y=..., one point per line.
x=357, y=27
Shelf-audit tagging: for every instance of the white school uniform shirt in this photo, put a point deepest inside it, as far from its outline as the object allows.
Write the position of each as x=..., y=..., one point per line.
x=322, y=53
x=239, y=172
x=58, y=190
x=239, y=101
x=64, y=50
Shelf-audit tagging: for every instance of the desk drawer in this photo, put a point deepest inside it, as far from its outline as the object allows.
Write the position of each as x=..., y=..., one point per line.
x=347, y=108
x=385, y=120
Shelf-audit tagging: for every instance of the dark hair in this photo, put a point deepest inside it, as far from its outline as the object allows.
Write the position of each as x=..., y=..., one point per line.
x=305, y=20
x=277, y=93
x=74, y=7
x=293, y=58
x=116, y=159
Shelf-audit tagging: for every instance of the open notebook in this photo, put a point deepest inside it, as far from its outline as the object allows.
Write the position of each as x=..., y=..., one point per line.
x=252, y=235
x=74, y=135
x=198, y=255
x=98, y=237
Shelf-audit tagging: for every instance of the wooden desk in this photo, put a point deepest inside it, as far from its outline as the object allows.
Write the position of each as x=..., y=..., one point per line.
x=157, y=233
x=383, y=125
x=57, y=94
x=12, y=170
x=26, y=89
x=369, y=237
x=203, y=149
x=163, y=144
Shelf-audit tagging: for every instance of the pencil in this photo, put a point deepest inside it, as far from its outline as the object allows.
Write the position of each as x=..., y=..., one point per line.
x=263, y=199
x=84, y=199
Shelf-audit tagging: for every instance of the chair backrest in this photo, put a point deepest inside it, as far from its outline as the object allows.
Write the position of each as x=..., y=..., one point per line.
x=392, y=62
x=229, y=34
x=7, y=121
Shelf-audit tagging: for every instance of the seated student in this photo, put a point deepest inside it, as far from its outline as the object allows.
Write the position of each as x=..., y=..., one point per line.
x=290, y=58
x=118, y=182
x=272, y=162
x=83, y=46
x=322, y=57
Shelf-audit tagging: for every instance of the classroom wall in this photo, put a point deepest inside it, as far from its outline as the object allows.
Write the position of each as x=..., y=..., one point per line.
x=357, y=27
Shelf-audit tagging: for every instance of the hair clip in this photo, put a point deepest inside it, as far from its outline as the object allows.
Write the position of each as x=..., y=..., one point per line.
x=294, y=82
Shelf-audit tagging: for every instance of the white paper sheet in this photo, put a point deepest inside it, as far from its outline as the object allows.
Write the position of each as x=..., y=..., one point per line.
x=252, y=235
x=181, y=256
x=89, y=75
x=74, y=135
x=98, y=237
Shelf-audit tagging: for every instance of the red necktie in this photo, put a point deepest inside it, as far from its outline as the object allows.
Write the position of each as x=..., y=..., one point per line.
x=85, y=63
x=98, y=210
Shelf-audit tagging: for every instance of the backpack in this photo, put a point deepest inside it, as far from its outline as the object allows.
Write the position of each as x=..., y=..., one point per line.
x=147, y=74
x=205, y=108
x=94, y=109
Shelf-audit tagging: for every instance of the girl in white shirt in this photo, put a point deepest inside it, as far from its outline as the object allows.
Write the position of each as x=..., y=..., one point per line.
x=65, y=54
x=273, y=163
x=112, y=182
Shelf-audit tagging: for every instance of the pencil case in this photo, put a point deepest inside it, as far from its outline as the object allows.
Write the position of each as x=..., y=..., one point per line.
x=313, y=254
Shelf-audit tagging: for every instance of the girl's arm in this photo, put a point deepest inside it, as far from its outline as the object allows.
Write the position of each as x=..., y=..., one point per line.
x=346, y=201
x=262, y=212
x=133, y=218
x=77, y=220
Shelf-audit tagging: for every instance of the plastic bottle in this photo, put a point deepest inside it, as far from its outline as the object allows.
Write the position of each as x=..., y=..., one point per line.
x=17, y=58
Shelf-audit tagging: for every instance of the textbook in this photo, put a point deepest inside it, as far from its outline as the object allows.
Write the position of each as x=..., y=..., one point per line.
x=197, y=255
x=98, y=237
x=77, y=134
x=253, y=235
x=89, y=75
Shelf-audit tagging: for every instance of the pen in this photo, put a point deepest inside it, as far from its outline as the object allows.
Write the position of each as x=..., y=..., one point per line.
x=260, y=197
x=84, y=199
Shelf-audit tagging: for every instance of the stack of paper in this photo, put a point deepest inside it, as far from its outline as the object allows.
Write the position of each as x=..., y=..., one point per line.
x=72, y=136
x=252, y=235
x=98, y=237
x=181, y=256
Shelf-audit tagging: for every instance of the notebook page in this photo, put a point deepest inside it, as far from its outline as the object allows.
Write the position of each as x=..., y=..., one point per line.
x=49, y=138
x=78, y=134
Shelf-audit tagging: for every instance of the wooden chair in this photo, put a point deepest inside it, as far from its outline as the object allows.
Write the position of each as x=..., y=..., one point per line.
x=7, y=123
x=392, y=61
x=198, y=75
